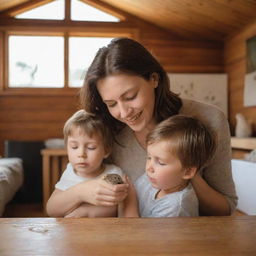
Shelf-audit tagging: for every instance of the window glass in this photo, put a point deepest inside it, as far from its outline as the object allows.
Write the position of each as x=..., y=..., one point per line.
x=51, y=11
x=82, y=50
x=36, y=61
x=85, y=12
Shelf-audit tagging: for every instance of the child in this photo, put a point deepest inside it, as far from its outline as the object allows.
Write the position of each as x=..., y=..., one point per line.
x=88, y=143
x=177, y=149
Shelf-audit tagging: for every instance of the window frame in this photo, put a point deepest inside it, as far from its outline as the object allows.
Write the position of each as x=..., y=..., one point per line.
x=66, y=28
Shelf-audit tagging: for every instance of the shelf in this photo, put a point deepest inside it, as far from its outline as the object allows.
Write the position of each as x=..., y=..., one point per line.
x=243, y=143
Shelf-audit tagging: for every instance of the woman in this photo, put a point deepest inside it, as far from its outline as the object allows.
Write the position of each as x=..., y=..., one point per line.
x=127, y=86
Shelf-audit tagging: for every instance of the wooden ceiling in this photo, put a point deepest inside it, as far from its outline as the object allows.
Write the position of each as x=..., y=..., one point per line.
x=195, y=19
x=191, y=19
x=6, y=4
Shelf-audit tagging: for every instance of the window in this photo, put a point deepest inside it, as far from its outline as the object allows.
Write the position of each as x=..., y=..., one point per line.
x=36, y=61
x=52, y=50
x=50, y=11
x=81, y=53
x=82, y=11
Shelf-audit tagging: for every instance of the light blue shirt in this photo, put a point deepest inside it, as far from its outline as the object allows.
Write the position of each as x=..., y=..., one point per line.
x=183, y=203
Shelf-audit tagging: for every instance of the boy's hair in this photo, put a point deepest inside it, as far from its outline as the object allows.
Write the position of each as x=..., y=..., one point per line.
x=194, y=144
x=89, y=124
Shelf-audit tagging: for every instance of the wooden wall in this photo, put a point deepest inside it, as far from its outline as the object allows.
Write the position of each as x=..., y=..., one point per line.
x=34, y=118
x=38, y=117
x=235, y=65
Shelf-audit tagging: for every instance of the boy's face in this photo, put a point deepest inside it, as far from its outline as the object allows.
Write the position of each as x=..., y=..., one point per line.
x=163, y=167
x=85, y=153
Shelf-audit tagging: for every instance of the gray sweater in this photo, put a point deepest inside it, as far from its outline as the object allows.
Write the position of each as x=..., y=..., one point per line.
x=131, y=157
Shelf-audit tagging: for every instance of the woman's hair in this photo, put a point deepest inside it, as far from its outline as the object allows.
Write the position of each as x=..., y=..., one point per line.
x=190, y=140
x=90, y=125
x=126, y=56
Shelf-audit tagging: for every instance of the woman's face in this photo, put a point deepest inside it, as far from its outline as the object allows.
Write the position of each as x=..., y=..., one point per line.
x=130, y=99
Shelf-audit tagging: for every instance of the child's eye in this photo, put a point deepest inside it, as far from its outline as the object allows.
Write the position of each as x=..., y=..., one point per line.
x=91, y=148
x=74, y=147
x=161, y=163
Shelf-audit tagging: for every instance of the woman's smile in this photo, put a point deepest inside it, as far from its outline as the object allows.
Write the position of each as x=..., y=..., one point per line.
x=133, y=120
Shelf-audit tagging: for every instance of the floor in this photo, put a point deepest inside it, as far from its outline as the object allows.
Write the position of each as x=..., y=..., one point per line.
x=24, y=211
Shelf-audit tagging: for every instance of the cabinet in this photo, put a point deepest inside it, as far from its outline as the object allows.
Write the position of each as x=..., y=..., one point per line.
x=242, y=146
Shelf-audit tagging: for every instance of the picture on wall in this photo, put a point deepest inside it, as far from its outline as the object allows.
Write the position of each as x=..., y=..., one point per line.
x=250, y=76
x=207, y=88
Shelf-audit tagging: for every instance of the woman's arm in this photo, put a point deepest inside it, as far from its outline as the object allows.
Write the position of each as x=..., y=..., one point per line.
x=95, y=192
x=211, y=202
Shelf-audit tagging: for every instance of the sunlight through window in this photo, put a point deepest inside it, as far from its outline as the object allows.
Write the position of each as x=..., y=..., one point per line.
x=36, y=61
x=84, y=12
x=82, y=50
x=51, y=11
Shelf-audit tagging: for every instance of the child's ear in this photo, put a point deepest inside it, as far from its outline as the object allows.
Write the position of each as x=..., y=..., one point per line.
x=108, y=152
x=189, y=173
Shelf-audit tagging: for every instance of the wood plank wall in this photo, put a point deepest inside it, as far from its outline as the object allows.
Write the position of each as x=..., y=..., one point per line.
x=235, y=66
x=34, y=118
x=39, y=117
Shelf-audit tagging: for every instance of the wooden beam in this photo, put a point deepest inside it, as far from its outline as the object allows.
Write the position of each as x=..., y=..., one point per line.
x=1, y=61
x=66, y=60
x=74, y=28
x=67, y=9
x=5, y=61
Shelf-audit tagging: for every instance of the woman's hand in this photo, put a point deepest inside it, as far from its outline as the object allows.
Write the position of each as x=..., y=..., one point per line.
x=99, y=192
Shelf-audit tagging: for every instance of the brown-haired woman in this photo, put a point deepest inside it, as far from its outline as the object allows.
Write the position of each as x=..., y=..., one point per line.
x=128, y=87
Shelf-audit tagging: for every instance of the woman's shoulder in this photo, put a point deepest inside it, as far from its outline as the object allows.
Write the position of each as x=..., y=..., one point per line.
x=207, y=113
x=193, y=107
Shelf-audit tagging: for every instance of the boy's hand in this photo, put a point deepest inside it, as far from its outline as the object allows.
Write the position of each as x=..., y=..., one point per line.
x=99, y=192
x=79, y=212
x=92, y=211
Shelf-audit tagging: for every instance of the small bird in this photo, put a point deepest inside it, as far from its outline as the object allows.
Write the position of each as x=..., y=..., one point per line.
x=113, y=179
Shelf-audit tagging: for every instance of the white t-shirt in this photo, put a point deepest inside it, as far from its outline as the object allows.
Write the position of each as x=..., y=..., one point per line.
x=69, y=178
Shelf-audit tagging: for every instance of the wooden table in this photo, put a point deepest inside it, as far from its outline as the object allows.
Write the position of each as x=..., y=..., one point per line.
x=202, y=236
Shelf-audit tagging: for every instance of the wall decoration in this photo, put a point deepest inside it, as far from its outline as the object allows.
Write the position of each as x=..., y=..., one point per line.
x=250, y=77
x=207, y=88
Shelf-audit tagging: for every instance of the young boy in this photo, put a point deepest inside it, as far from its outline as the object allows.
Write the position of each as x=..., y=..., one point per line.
x=88, y=143
x=177, y=149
